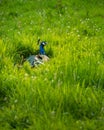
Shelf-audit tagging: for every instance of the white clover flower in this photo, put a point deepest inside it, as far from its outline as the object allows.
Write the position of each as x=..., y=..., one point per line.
x=15, y=117
x=53, y=113
x=82, y=22
x=32, y=77
x=5, y=99
x=48, y=29
x=52, y=81
x=18, y=32
x=98, y=62
x=60, y=15
x=26, y=75
x=16, y=101
x=68, y=26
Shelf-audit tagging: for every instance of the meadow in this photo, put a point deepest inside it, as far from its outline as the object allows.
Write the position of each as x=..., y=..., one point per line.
x=65, y=93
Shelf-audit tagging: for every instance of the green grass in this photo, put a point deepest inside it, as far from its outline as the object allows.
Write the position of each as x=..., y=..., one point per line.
x=68, y=91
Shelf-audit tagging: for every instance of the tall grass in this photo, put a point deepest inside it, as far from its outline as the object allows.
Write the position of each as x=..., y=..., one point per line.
x=66, y=92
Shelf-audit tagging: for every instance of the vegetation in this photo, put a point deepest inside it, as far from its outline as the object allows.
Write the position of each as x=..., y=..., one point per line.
x=66, y=93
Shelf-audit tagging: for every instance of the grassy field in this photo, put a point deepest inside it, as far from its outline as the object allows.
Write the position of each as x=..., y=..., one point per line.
x=66, y=93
